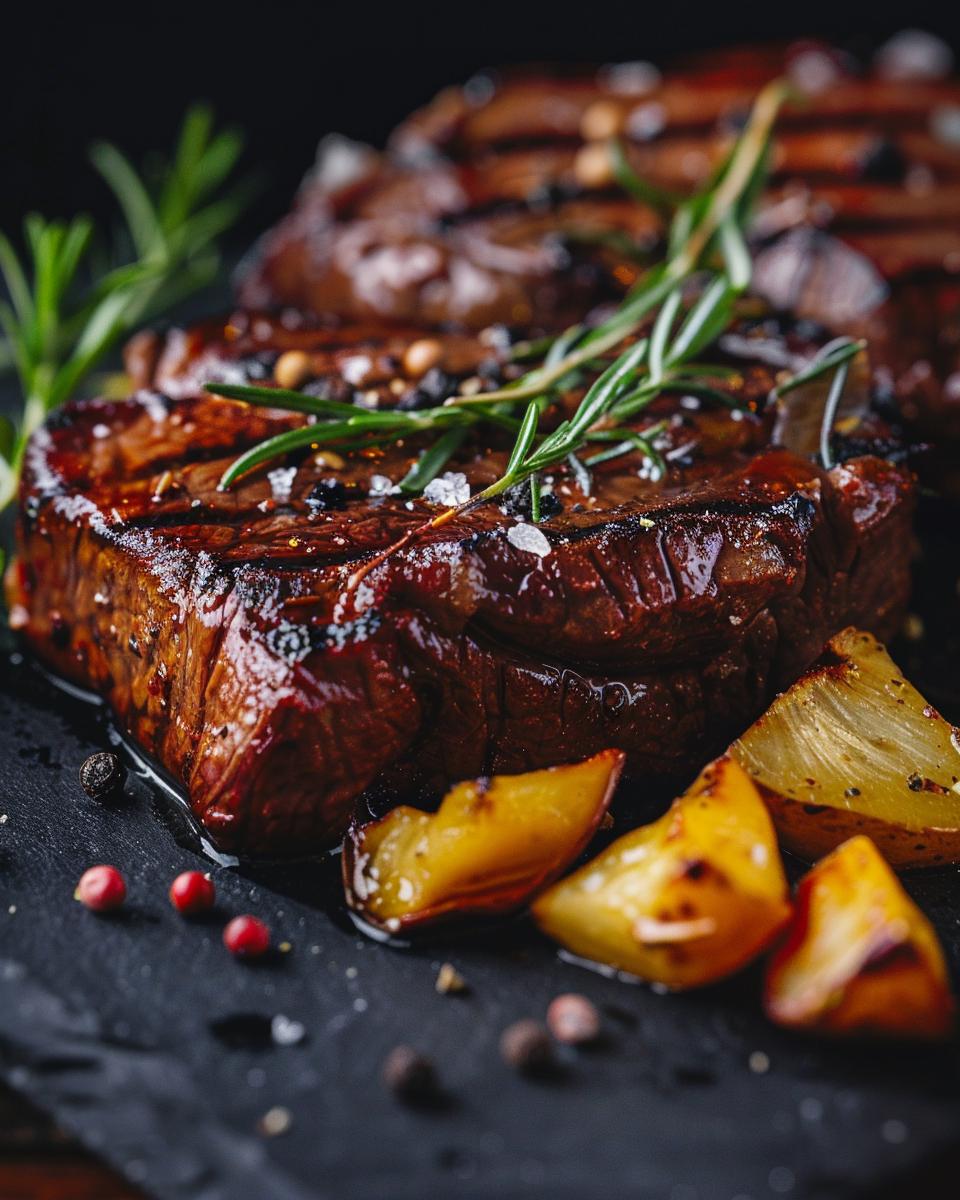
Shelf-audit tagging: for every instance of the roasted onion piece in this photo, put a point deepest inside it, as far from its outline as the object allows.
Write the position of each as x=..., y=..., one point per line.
x=491, y=845
x=684, y=901
x=859, y=956
x=852, y=748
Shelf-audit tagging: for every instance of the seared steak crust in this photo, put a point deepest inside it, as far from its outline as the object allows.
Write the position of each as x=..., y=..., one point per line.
x=654, y=616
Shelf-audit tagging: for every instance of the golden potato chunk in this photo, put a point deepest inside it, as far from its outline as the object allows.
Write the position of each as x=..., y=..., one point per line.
x=684, y=901
x=859, y=956
x=490, y=846
x=851, y=748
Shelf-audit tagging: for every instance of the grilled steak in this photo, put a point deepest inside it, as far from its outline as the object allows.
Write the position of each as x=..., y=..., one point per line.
x=657, y=616
x=496, y=203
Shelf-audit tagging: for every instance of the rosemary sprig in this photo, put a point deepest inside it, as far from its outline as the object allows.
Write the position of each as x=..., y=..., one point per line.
x=57, y=330
x=353, y=428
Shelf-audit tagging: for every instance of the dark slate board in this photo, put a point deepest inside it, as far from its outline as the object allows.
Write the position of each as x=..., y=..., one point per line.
x=106, y=1021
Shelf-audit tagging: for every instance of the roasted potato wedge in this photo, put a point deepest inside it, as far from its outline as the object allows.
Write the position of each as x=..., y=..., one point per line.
x=853, y=748
x=684, y=901
x=859, y=956
x=490, y=846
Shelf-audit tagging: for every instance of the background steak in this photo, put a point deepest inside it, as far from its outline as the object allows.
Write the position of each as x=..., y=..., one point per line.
x=492, y=204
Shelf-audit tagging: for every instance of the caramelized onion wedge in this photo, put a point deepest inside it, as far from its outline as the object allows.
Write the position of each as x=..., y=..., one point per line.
x=853, y=748
x=859, y=956
x=684, y=901
x=490, y=846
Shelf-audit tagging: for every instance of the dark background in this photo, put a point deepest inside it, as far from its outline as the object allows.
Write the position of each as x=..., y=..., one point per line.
x=286, y=74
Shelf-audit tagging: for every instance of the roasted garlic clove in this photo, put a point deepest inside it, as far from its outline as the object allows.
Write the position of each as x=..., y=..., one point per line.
x=490, y=846
x=684, y=901
x=859, y=956
x=851, y=748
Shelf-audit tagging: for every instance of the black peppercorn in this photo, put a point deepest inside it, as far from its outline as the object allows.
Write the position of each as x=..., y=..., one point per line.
x=574, y=1019
x=490, y=371
x=526, y=1046
x=516, y=502
x=546, y=196
x=102, y=776
x=327, y=494
x=432, y=390
x=409, y=1074
x=881, y=161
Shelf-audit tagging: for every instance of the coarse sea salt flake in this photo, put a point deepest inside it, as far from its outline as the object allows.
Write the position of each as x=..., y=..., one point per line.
x=382, y=485
x=281, y=482
x=529, y=538
x=449, y=489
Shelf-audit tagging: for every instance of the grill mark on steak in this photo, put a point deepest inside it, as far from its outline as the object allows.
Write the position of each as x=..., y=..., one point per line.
x=547, y=179
x=527, y=109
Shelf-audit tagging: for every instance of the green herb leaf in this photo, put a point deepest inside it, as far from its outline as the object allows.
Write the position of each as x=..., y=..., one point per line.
x=265, y=397
x=7, y=438
x=828, y=359
x=270, y=448
x=528, y=431
x=132, y=195
x=432, y=461
x=640, y=189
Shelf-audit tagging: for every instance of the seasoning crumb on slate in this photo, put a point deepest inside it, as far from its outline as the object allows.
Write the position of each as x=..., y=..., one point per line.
x=526, y=1046
x=102, y=775
x=913, y=627
x=781, y=1180
x=285, y=947
x=285, y=1032
x=275, y=1121
x=758, y=1062
x=409, y=1074
x=811, y=1109
x=450, y=981
x=573, y=1019
x=4, y=818
x=895, y=1132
